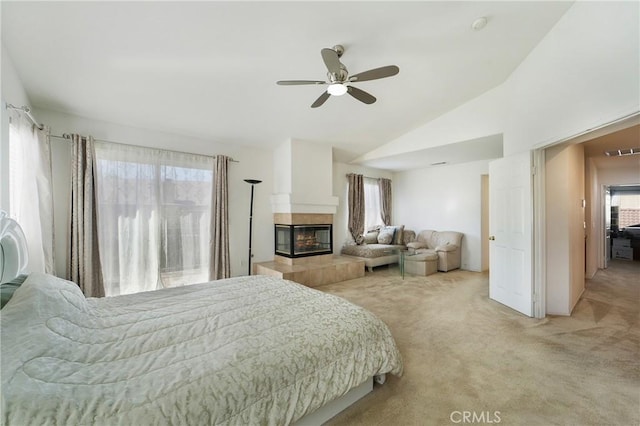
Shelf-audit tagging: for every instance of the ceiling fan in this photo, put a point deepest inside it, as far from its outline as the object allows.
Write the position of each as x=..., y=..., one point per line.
x=339, y=80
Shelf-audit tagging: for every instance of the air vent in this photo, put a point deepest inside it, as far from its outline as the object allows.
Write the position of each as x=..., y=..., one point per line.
x=622, y=152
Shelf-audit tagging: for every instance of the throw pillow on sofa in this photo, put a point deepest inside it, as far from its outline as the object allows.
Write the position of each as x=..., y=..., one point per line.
x=386, y=234
x=371, y=237
x=397, y=233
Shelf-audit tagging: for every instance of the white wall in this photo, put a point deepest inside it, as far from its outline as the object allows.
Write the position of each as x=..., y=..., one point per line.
x=565, y=254
x=253, y=164
x=340, y=187
x=303, y=178
x=312, y=169
x=583, y=74
x=12, y=92
x=282, y=172
x=444, y=198
x=619, y=176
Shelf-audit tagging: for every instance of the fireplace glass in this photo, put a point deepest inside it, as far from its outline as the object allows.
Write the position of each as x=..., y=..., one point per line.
x=303, y=240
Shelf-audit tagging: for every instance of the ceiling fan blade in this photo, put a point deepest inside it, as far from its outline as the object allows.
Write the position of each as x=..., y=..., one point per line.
x=331, y=60
x=376, y=73
x=322, y=99
x=361, y=95
x=298, y=82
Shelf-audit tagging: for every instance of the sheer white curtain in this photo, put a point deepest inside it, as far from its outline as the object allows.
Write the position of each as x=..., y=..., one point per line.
x=30, y=189
x=154, y=210
x=372, y=205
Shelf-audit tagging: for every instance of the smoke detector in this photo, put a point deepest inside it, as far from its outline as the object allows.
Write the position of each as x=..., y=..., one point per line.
x=479, y=23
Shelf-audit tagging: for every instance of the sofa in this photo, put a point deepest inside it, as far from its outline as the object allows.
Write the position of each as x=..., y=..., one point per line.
x=376, y=252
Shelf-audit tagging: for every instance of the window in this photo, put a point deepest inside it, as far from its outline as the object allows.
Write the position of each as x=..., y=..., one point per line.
x=372, y=204
x=626, y=209
x=154, y=212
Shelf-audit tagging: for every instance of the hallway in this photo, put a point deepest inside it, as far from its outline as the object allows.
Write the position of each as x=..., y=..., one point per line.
x=618, y=285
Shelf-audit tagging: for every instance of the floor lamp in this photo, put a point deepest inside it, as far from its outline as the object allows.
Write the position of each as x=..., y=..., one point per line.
x=253, y=182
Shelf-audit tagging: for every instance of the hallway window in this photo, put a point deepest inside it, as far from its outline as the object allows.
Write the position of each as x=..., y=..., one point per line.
x=627, y=207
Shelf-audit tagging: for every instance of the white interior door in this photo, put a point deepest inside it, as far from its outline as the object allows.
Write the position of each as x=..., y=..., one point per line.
x=511, y=232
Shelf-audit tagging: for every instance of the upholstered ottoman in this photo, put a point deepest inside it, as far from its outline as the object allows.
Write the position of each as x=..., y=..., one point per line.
x=422, y=264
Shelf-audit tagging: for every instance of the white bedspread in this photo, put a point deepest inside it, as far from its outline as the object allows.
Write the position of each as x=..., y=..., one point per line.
x=248, y=350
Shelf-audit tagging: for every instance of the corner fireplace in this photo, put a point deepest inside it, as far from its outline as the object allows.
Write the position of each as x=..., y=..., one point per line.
x=303, y=240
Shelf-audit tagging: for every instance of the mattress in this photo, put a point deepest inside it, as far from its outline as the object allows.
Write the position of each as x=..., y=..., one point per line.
x=247, y=350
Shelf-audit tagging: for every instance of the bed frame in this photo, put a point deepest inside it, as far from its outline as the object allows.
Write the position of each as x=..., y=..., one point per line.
x=326, y=412
x=13, y=249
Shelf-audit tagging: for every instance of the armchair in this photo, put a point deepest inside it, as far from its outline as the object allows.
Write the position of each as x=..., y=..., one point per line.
x=446, y=244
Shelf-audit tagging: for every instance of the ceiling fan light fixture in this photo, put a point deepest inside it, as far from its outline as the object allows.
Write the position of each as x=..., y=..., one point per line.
x=337, y=89
x=338, y=80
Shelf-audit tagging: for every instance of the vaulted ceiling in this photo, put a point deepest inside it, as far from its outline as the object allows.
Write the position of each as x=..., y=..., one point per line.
x=208, y=69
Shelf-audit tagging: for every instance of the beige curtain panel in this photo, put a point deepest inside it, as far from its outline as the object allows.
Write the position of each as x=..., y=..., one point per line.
x=356, y=205
x=84, y=266
x=220, y=265
x=384, y=186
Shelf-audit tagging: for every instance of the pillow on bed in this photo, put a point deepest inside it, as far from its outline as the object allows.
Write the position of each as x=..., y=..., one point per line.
x=7, y=289
x=385, y=236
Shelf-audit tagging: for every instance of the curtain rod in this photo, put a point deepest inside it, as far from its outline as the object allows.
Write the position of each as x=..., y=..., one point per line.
x=27, y=112
x=367, y=177
x=67, y=136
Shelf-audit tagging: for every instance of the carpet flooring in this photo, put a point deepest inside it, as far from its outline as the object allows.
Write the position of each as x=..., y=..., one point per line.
x=469, y=359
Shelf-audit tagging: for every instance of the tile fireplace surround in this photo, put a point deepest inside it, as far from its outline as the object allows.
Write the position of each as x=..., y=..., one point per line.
x=311, y=271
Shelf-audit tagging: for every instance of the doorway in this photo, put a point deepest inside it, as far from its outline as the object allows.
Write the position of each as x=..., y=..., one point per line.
x=565, y=276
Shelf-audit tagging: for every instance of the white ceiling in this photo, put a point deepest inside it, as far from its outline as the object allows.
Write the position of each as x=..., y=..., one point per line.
x=208, y=69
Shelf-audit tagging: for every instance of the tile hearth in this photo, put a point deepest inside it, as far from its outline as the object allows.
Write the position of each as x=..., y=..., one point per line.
x=314, y=273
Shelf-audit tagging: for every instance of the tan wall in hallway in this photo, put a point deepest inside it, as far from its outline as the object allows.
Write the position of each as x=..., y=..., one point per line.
x=565, y=252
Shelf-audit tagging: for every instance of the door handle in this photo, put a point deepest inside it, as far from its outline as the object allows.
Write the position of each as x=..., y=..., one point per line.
x=492, y=238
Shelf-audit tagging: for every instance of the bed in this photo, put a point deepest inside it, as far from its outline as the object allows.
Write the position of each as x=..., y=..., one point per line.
x=246, y=350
